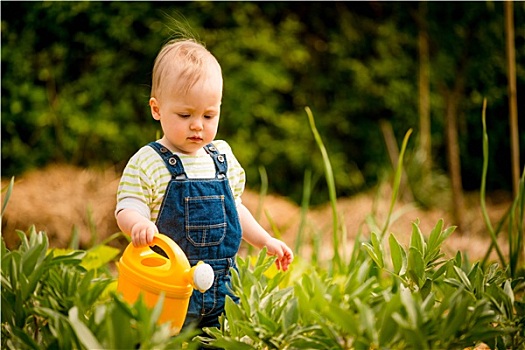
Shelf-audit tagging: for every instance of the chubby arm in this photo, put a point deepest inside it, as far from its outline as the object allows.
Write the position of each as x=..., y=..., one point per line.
x=140, y=228
x=256, y=235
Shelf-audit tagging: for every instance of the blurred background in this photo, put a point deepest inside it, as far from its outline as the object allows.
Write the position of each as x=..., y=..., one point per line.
x=76, y=80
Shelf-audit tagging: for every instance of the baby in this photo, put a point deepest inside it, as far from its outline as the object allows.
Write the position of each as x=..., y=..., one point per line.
x=187, y=185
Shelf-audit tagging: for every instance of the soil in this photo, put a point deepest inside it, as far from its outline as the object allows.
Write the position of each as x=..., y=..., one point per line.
x=61, y=198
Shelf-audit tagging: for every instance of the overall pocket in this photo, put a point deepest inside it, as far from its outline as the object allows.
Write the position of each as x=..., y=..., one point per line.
x=205, y=220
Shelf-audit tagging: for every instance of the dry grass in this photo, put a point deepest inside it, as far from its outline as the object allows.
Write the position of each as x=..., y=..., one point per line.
x=60, y=197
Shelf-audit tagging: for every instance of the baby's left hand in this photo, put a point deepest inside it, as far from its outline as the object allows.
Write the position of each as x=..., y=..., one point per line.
x=282, y=251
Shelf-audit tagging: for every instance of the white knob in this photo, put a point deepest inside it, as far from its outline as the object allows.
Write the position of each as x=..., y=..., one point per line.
x=203, y=277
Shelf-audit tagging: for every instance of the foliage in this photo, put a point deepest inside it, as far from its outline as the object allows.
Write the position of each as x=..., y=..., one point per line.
x=412, y=298
x=514, y=218
x=76, y=76
x=57, y=299
x=417, y=300
x=382, y=296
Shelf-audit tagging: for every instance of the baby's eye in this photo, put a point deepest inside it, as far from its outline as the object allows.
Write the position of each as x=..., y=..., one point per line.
x=184, y=115
x=209, y=116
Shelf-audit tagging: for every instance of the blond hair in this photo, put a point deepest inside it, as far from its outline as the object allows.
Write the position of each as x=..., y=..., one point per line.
x=181, y=63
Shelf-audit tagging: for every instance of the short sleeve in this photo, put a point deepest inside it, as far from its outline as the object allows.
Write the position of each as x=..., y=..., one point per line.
x=135, y=188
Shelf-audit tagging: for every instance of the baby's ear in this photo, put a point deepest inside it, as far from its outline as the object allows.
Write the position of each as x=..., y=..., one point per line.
x=155, y=110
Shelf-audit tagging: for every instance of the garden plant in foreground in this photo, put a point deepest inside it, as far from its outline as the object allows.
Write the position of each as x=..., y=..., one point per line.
x=381, y=296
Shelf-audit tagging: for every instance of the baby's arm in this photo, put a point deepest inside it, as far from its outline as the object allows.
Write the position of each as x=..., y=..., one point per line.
x=257, y=236
x=141, y=229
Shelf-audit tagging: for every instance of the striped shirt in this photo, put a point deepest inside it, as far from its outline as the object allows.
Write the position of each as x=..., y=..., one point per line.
x=146, y=177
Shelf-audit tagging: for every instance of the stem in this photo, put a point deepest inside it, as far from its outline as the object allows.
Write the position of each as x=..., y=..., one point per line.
x=331, y=186
x=397, y=182
x=483, y=185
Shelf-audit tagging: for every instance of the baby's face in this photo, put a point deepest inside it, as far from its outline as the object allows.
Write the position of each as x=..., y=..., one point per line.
x=189, y=120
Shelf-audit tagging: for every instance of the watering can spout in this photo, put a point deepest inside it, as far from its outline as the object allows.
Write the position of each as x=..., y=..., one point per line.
x=201, y=276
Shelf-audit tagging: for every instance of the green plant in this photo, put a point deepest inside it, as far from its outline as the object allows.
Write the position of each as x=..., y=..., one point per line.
x=382, y=297
x=427, y=303
x=57, y=299
x=36, y=285
x=66, y=299
x=514, y=218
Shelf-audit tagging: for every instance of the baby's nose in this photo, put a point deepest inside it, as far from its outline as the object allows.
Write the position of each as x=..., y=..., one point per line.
x=196, y=124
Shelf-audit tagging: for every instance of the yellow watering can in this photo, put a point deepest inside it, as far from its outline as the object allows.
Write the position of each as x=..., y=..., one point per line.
x=142, y=271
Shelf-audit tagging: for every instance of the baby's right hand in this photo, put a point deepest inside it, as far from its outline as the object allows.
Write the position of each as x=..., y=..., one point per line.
x=142, y=233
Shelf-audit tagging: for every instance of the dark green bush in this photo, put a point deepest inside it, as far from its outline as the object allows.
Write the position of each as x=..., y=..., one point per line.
x=76, y=76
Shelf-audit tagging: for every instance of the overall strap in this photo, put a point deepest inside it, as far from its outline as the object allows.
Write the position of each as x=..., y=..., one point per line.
x=221, y=165
x=173, y=162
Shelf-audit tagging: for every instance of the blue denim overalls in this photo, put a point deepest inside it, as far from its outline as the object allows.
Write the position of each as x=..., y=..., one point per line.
x=200, y=215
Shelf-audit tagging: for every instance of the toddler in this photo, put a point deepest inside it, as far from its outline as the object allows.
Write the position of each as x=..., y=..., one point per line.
x=187, y=185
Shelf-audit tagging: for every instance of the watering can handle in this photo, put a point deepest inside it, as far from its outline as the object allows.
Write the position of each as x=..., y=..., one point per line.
x=172, y=249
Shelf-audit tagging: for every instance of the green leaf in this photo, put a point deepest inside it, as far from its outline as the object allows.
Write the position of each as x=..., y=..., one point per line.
x=85, y=336
x=157, y=309
x=228, y=343
x=290, y=315
x=458, y=261
x=330, y=181
x=367, y=321
x=262, y=257
x=66, y=256
x=388, y=328
x=463, y=278
x=416, y=265
x=266, y=324
x=99, y=256
x=25, y=338
x=507, y=288
x=397, y=180
x=7, y=195
x=435, y=234
x=426, y=288
x=455, y=318
x=32, y=258
x=411, y=307
x=234, y=313
x=417, y=240
x=440, y=271
x=398, y=254
x=374, y=249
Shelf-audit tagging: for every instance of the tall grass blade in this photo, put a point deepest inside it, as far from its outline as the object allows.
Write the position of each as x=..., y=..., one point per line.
x=331, y=188
x=305, y=203
x=521, y=220
x=260, y=205
x=263, y=191
x=316, y=248
x=515, y=228
x=275, y=229
x=486, y=218
x=92, y=227
x=74, y=242
x=397, y=182
x=115, y=236
x=9, y=190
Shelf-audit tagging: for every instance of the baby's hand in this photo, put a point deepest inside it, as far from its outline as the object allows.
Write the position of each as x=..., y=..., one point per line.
x=142, y=233
x=282, y=251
